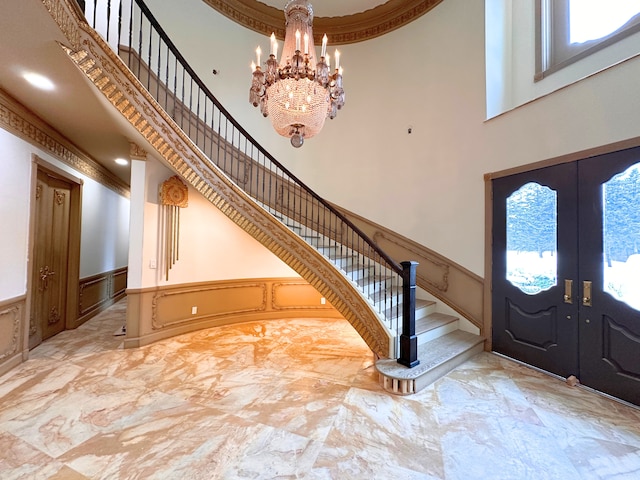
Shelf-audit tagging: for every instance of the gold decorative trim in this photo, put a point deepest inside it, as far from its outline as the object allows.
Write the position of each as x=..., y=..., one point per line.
x=15, y=311
x=123, y=90
x=136, y=152
x=60, y=11
x=347, y=29
x=17, y=119
x=173, y=192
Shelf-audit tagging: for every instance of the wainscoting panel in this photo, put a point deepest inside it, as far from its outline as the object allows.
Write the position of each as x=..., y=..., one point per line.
x=296, y=295
x=12, y=327
x=98, y=292
x=176, y=307
x=162, y=312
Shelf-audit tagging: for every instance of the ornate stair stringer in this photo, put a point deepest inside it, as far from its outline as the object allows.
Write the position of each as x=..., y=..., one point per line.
x=120, y=87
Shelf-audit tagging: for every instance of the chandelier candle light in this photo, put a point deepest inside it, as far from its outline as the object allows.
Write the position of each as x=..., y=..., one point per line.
x=298, y=93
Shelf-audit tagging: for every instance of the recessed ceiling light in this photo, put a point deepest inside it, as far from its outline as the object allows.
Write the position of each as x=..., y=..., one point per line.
x=122, y=161
x=39, y=81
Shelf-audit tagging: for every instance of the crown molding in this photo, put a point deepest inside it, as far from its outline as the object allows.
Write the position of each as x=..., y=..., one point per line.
x=354, y=28
x=22, y=122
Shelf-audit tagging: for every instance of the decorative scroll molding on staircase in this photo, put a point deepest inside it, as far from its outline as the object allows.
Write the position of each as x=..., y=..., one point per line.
x=121, y=88
x=449, y=282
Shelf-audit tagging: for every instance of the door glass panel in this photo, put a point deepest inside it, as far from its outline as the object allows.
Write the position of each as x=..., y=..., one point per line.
x=532, y=215
x=621, y=236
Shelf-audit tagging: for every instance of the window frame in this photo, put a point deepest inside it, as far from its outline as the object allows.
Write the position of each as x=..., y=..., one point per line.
x=552, y=24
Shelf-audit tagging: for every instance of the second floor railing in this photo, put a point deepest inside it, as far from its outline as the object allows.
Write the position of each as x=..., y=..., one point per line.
x=131, y=29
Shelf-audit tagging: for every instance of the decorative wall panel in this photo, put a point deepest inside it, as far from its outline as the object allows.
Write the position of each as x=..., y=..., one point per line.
x=99, y=292
x=13, y=323
x=163, y=312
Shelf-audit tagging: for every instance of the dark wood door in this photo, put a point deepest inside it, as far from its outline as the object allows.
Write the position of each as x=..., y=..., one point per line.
x=534, y=252
x=609, y=233
x=49, y=299
x=566, y=270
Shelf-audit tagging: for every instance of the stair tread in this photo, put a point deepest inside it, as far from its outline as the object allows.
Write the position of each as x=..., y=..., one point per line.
x=433, y=320
x=431, y=355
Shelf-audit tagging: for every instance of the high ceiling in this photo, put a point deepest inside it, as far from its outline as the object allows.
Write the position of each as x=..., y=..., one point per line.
x=343, y=21
x=79, y=112
x=333, y=8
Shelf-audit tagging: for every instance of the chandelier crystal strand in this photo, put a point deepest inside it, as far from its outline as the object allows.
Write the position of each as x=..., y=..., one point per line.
x=298, y=93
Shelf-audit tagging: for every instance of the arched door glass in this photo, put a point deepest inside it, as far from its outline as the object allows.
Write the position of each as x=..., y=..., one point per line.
x=532, y=216
x=621, y=236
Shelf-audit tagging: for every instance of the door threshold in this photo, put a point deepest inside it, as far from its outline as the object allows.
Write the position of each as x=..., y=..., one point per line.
x=564, y=380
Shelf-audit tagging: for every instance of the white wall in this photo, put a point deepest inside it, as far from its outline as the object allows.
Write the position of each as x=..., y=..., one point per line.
x=510, y=55
x=429, y=75
x=105, y=218
x=105, y=229
x=15, y=185
x=211, y=247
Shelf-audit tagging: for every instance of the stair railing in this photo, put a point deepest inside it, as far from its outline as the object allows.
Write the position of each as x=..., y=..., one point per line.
x=151, y=55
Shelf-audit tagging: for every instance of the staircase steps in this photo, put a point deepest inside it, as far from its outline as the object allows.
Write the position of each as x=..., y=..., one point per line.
x=437, y=358
x=441, y=345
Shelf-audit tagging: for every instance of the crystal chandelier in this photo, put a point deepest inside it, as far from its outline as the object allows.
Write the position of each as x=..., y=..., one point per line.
x=298, y=93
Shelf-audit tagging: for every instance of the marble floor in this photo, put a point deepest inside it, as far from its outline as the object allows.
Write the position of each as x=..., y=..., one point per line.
x=292, y=399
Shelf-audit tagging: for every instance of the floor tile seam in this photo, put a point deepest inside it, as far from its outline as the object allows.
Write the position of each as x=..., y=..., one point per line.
x=27, y=440
x=278, y=428
x=320, y=376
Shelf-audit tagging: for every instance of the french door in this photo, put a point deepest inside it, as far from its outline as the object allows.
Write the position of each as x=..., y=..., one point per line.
x=566, y=270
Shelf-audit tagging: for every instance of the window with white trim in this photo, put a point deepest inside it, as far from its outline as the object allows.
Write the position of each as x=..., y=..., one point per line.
x=569, y=30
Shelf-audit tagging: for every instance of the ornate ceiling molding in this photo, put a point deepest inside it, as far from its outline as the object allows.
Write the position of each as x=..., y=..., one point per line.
x=341, y=30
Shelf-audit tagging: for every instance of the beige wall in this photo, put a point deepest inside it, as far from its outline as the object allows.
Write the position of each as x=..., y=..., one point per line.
x=211, y=247
x=429, y=75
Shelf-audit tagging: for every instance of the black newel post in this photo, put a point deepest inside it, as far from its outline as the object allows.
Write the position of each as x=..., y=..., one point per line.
x=408, y=340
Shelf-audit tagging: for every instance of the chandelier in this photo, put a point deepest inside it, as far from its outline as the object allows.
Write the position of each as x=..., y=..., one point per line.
x=298, y=93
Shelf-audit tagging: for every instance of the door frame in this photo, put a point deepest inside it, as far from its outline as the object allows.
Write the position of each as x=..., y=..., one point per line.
x=488, y=215
x=73, y=261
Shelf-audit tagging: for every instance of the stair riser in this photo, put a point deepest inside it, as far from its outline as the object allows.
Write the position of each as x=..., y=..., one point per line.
x=421, y=312
x=362, y=273
x=437, y=332
x=345, y=262
x=445, y=367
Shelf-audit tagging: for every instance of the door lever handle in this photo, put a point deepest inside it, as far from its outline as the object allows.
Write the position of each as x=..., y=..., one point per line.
x=568, y=287
x=586, y=293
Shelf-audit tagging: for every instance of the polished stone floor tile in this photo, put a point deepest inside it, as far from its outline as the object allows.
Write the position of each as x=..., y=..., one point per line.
x=293, y=399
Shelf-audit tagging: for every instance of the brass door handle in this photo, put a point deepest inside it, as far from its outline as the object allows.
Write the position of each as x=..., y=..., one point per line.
x=568, y=287
x=45, y=273
x=586, y=293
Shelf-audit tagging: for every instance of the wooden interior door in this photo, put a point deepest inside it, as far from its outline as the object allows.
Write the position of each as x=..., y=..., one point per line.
x=51, y=257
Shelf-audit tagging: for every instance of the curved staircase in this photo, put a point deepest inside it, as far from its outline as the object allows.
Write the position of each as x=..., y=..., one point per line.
x=212, y=152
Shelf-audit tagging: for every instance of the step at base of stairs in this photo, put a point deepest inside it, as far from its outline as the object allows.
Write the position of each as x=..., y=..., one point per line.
x=437, y=358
